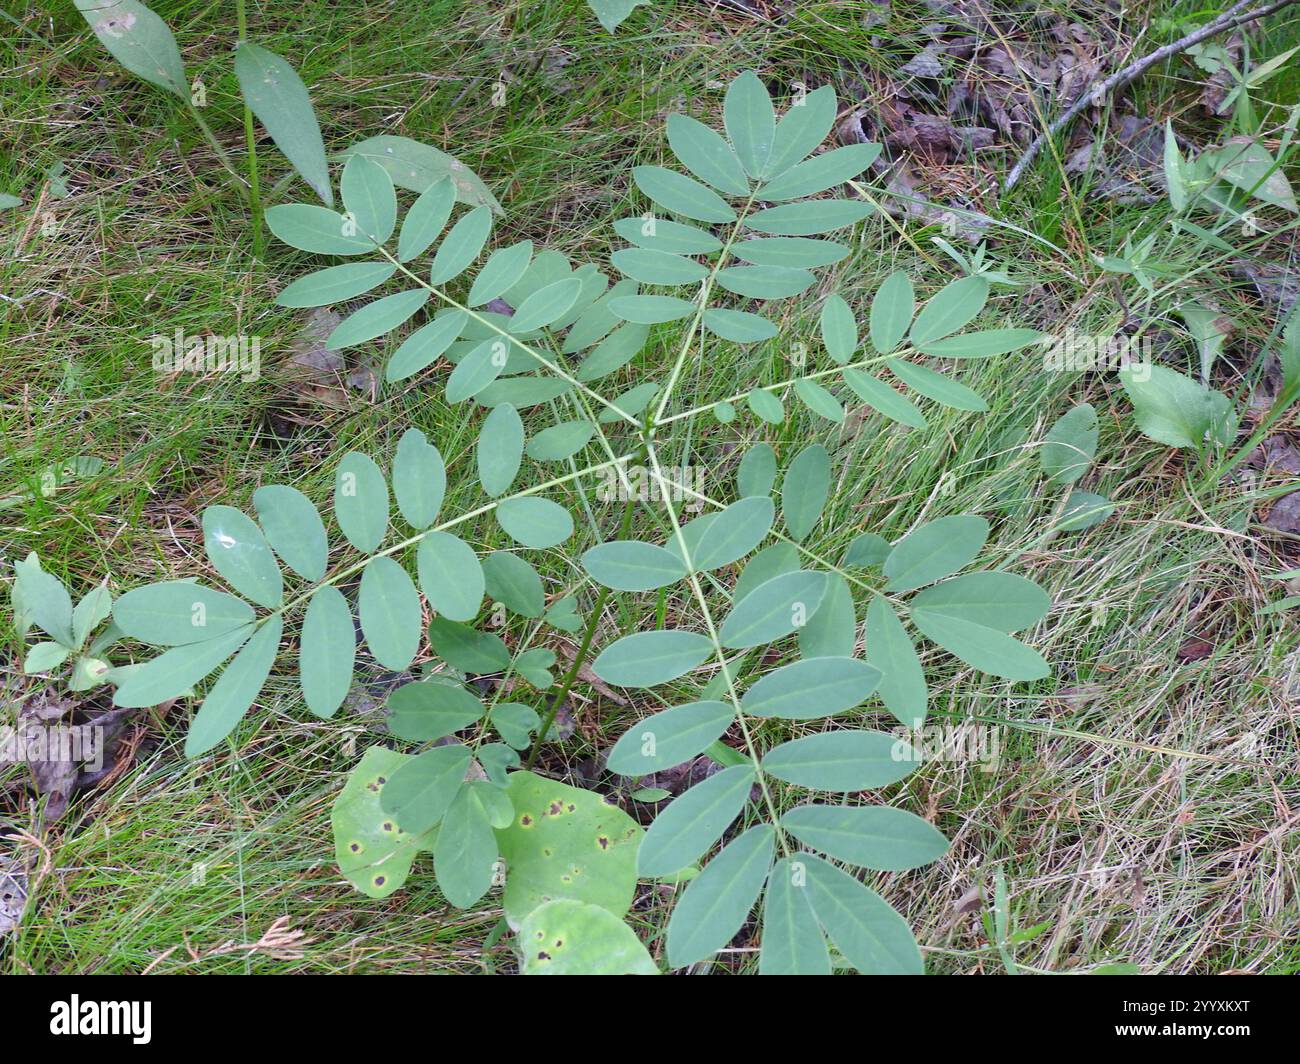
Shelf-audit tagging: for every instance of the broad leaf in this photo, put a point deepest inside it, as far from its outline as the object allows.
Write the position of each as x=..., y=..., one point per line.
x=240, y=553
x=235, y=689
x=361, y=501
x=500, y=449
x=934, y=550
x=294, y=529
x=841, y=761
x=389, y=610
x=793, y=942
x=645, y=659
x=864, y=927
x=629, y=565
x=327, y=652
x=669, y=738
x=431, y=709
x=450, y=576
x=805, y=489
x=814, y=687
x=693, y=822
x=879, y=837
x=420, y=791
x=419, y=479
x=571, y=938
x=177, y=612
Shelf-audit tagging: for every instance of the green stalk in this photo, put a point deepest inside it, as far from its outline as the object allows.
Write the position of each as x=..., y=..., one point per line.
x=254, y=193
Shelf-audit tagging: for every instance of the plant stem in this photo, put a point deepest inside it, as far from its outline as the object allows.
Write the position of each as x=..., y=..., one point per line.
x=250, y=139
x=580, y=658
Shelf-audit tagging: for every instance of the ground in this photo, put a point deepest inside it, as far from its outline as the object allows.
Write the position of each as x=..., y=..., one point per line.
x=1144, y=807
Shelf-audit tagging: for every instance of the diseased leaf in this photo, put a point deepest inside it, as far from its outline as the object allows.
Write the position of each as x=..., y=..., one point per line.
x=373, y=853
x=417, y=166
x=570, y=938
x=419, y=792
x=139, y=40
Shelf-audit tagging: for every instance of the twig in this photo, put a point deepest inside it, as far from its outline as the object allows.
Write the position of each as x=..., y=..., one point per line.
x=1229, y=20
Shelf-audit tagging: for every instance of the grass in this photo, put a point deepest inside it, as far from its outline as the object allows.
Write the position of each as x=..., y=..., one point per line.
x=1143, y=805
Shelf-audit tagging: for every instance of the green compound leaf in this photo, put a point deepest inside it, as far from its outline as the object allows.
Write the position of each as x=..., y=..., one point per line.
x=335, y=284
x=937, y=387
x=478, y=369
x=935, y=550
x=279, y=99
x=425, y=346
x=733, y=532
x=566, y=843
x=417, y=167
x=804, y=125
x=571, y=938
x=659, y=234
x=546, y=306
x=1083, y=509
x=426, y=219
x=716, y=902
x=765, y=405
x=738, y=326
x=629, y=565
x=177, y=612
x=501, y=272
x=882, y=398
x=832, y=631
x=388, y=607
x=985, y=648
x=431, y=709
x=327, y=653
x=1070, y=446
x=373, y=852
x=820, y=401
x=1002, y=601
x=669, y=738
x=793, y=942
x=361, y=501
x=751, y=123
x=294, y=529
x=450, y=575
x=419, y=479
x=876, y=836
x=377, y=318
x=948, y=310
x=789, y=251
x=805, y=490
x=692, y=823
x=839, y=329
x=318, y=230
x=461, y=246
x=513, y=581
x=682, y=195
x=500, y=449
x=981, y=344
x=174, y=672
x=467, y=649
x=892, y=309
x=645, y=659
x=240, y=553
x=560, y=442
x=650, y=310
x=236, y=688
x=368, y=195
x=814, y=687
x=864, y=927
x=902, y=686
x=465, y=853
x=842, y=762
x=774, y=609
x=757, y=471
x=810, y=218
x=139, y=40
x=827, y=170
x=657, y=267
x=420, y=791
x=706, y=154
x=534, y=522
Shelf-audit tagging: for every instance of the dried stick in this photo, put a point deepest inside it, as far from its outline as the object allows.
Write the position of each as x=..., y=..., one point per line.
x=1229, y=20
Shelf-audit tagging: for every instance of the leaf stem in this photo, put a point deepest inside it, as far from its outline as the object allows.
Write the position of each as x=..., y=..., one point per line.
x=250, y=139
